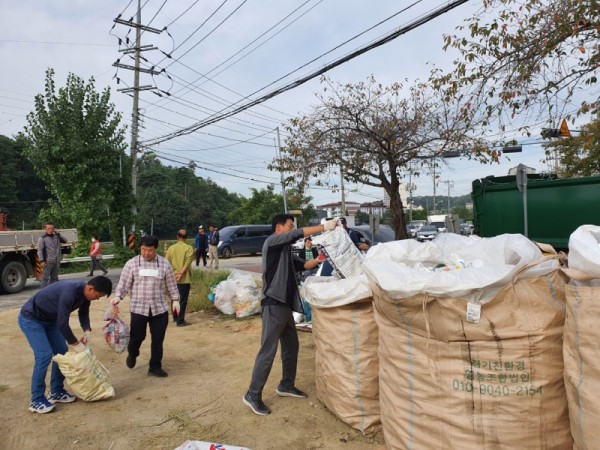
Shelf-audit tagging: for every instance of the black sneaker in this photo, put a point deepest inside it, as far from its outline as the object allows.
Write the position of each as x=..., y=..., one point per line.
x=291, y=392
x=183, y=324
x=130, y=361
x=257, y=406
x=158, y=373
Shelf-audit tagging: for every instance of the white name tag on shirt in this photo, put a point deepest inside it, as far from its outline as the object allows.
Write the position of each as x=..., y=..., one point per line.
x=149, y=273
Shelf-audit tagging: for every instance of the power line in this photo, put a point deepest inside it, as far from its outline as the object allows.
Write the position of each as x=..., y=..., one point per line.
x=56, y=43
x=209, y=33
x=377, y=43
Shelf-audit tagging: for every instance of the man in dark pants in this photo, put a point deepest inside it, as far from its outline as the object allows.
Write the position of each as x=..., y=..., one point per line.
x=146, y=276
x=280, y=298
x=50, y=253
x=201, y=246
x=181, y=256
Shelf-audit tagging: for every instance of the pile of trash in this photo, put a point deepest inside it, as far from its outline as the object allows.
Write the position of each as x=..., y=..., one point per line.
x=239, y=294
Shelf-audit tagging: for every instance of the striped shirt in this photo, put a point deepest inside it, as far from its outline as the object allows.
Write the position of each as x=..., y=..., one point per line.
x=146, y=281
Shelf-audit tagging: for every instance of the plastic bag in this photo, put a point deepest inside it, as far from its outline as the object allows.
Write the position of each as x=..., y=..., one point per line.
x=341, y=252
x=116, y=331
x=225, y=297
x=85, y=375
x=239, y=294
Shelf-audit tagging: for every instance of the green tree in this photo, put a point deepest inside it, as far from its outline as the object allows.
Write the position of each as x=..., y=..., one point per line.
x=297, y=200
x=579, y=155
x=259, y=208
x=75, y=143
x=525, y=58
x=371, y=134
x=8, y=180
x=23, y=194
x=170, y=198
x=361, y=218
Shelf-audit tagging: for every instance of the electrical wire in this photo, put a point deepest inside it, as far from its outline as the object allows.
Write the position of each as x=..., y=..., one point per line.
x=377, y=43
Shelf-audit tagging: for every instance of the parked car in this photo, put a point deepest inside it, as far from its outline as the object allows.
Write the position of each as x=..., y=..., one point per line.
x=242, y=239
x=384, y=234
x=411, y=230
x=418, y=223
x=427, y=233
x=465, y=229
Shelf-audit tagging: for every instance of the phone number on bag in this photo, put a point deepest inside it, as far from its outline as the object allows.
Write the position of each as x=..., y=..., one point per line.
x=497, y=391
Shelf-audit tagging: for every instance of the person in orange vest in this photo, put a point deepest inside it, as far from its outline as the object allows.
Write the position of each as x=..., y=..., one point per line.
x=96, y=257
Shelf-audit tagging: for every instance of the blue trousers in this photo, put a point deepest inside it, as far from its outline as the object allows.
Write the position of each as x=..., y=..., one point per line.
x=46, y=341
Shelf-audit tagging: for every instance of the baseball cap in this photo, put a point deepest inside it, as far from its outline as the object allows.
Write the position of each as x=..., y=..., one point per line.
x=201, y=226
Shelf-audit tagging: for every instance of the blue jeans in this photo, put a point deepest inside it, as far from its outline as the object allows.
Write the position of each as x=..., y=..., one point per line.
x=46, y=341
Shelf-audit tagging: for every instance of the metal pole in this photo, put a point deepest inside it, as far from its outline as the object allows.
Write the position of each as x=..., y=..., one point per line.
x=410, y=189
x=525, y=221
x=135, y=118
x=281, y=173
x=433, y=209
x=522, y=186
x=343, y=194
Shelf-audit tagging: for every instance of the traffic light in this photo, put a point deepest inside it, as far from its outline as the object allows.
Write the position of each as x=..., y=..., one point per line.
x=549, y=133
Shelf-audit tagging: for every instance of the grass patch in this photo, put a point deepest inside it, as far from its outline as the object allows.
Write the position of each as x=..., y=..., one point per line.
x=202, y=282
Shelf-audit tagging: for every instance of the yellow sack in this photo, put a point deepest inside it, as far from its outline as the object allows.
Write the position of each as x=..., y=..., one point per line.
x=85, y=375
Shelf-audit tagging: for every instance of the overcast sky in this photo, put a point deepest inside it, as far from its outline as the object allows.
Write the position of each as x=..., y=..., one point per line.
x=221, y=53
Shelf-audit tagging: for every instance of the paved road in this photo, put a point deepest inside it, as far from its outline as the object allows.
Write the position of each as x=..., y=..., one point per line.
x=249, y=263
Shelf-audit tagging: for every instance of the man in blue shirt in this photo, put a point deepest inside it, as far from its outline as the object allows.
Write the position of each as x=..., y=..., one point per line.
x=360, y=245
x=44, y=320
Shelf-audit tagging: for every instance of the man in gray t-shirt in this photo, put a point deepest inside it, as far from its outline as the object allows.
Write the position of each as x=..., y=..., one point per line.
x=49, y=253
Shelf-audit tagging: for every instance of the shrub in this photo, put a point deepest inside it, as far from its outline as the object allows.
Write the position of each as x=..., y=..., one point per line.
x=202, y=282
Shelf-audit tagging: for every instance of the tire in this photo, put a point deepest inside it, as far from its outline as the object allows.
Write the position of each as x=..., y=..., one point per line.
x=226, y=253
x=13, y=277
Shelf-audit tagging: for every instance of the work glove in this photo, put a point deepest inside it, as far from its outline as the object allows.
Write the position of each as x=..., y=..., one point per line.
x=115, y=301
x=87, y=337
x=78, y=348
x=330, y=224
x=176, y=308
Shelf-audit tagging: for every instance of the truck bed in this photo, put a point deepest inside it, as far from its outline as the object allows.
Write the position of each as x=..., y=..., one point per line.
x=11, y=241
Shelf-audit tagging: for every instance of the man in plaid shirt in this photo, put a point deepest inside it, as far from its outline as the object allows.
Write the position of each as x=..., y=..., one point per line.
x=145, y=277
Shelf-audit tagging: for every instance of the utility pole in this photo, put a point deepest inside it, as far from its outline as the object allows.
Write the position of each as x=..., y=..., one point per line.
x=434, y=183
x=411, y=187
x=135, y=90
x=285, y=209
x=343, y=193
x=135, y=112
x=450, y=184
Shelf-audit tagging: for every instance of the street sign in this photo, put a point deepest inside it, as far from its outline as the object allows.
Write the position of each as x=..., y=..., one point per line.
x=564, y=129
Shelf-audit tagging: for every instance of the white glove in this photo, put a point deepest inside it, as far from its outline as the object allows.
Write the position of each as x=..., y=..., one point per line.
x=78, y=348
x=330, y=224
x=87, y=337
x=176, y=308
x=115, y=301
